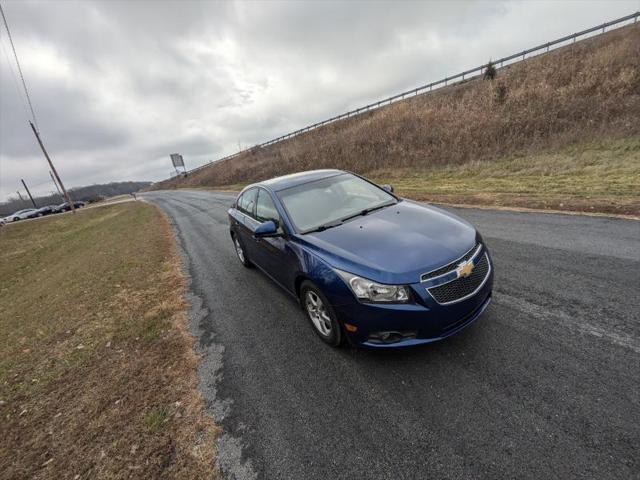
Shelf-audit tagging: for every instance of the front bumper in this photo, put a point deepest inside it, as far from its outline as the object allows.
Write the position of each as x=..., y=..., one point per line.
x=423, y=321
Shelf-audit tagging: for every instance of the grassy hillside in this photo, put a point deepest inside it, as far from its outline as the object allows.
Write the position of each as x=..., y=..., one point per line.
x=564, y=101
x=597, y=177
x=97, y=367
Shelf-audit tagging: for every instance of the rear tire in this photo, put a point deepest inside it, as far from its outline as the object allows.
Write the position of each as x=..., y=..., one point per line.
x=319, y=312
x=241, y=253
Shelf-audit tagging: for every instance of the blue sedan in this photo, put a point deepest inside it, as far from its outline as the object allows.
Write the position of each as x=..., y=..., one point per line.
x=366, y=265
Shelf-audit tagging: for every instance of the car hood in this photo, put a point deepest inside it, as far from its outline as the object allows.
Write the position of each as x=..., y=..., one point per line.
x=394, y=245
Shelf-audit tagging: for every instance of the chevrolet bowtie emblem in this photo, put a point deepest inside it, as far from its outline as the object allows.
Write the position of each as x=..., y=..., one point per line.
x=465, y=269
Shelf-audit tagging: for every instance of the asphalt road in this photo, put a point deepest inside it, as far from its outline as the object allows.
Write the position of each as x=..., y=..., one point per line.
x=545, y=385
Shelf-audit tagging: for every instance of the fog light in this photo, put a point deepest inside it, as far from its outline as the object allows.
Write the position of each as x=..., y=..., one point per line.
x=389, y=337
x=350, y=328
x=392, y=336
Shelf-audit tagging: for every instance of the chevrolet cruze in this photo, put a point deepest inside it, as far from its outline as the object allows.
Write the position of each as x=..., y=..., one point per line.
x=366, y=265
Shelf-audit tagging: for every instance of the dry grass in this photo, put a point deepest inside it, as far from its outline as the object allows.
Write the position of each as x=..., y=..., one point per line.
x=572, y=96
x=97, y=366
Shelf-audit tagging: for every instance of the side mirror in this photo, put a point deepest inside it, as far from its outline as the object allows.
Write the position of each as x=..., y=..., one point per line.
x=387, y=187
x=266, y=229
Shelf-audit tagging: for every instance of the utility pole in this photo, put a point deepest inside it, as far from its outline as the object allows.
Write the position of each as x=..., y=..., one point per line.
x=22, y=199
x=56, y=184
x=53, y=169
x=29, y=193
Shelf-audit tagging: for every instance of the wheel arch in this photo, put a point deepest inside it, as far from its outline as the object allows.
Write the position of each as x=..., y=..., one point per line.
x=297, y=283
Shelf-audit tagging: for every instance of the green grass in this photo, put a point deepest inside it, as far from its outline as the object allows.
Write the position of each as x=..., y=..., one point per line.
x=602, y=177
x=156, y=419
x=59, y=279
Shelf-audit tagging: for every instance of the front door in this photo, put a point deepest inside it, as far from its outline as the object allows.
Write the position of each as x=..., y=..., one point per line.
x=273, y=253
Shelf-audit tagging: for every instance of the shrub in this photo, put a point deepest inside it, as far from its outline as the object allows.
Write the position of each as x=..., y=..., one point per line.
x=490, y=72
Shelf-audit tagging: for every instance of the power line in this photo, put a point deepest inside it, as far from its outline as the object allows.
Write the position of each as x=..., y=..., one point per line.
x=14, y=77
x=24, y=84
x=34, y=124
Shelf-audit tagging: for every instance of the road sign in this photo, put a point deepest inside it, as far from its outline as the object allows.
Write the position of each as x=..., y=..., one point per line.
x=177, y=160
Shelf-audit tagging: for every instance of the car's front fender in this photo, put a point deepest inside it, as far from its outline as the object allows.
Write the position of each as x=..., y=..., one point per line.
x=324, y=277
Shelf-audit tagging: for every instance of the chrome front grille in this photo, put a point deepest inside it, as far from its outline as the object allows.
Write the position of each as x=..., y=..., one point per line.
x=463, y=287
x=453, y=265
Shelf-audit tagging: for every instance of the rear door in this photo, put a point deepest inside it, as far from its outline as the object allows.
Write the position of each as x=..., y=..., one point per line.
x=246, y=206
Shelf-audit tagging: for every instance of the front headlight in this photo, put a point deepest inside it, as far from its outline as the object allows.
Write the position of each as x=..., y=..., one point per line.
x=371, y=291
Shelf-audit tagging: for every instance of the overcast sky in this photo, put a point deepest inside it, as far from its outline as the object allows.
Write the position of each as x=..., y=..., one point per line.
x=117, y=86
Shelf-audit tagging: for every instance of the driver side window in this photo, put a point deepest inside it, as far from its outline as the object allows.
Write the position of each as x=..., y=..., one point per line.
x=265, y=208
x=246, y=201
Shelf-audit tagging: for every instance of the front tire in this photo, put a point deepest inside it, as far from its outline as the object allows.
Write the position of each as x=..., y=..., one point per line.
x=320, y=314
x=241, y=252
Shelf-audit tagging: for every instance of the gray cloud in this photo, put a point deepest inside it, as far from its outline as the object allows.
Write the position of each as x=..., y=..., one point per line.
x=117, y=86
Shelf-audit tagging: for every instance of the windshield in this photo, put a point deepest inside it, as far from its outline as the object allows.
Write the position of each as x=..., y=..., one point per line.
x=329, y=201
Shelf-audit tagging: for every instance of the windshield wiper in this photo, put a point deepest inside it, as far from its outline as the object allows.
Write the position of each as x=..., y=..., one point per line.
x=324, y=227
x=366, y=211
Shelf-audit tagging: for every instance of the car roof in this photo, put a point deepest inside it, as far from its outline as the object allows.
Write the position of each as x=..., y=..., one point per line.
x=294, y=179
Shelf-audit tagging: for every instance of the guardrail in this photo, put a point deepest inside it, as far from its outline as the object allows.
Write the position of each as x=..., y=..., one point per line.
x=510, y=59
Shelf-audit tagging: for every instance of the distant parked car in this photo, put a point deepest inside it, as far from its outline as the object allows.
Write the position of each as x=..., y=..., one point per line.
x=23, y=214
x=47, y=210
x=65, y=207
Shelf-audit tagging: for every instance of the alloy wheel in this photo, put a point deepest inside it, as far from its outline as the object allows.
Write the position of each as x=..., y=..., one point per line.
x=318, y=313
x=239, y=250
